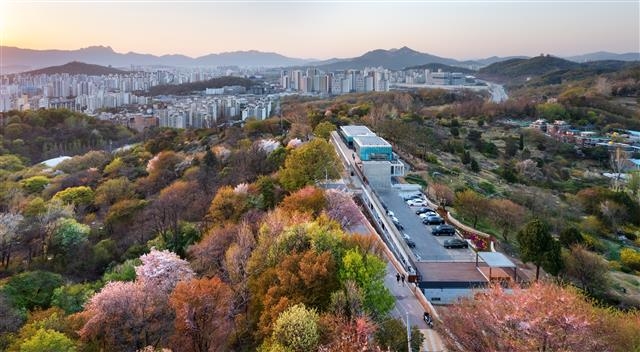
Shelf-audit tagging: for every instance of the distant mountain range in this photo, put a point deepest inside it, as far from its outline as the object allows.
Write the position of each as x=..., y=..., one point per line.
x=77, y=68
x=104, y=55
x=394, y=59
x=17, y=59
x=603, y=55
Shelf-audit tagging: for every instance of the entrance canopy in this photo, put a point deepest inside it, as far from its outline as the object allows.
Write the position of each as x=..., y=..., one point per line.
x=498, y=261
x=495, y=260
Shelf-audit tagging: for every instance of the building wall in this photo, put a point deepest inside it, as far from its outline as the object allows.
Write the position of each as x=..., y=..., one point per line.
x=446, y=295
x=378, y=173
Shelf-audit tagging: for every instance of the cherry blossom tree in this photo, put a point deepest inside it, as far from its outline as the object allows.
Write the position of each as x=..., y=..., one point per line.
x=544, y=317
x=127, y=316
x=117, y=317
x=342, y=208
x=350, y=334
x=162, y=270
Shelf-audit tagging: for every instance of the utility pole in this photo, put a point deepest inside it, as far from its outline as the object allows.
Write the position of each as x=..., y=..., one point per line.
x=408, y=333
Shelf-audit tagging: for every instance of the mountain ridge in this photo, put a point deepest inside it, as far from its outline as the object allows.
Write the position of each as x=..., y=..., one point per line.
x=547, y=70
x=16, y=59
x=105, y=56
x=77, y=68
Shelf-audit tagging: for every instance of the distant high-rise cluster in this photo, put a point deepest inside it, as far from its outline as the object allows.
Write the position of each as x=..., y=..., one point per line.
x=88, y=92
x=205, y=112
x=313, y=80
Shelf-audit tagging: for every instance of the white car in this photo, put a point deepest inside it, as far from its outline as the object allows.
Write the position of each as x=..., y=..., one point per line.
x=427, y=214
x=417, y=202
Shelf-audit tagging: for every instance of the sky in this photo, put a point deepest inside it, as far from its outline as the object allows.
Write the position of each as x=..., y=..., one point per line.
x=322, y=29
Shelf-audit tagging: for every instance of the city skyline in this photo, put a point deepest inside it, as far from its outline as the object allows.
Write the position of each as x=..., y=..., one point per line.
x=325, y=29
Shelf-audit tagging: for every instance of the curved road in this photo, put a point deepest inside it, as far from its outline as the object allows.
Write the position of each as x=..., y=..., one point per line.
x=498, y=94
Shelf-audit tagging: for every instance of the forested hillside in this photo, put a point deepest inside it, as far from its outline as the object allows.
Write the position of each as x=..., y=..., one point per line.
x=193, y=241
x=39, y=135
x=225, y=232
x=189, y=88
x=544, y=70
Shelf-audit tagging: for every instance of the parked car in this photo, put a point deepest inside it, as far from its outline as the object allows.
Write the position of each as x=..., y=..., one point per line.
x=433, y=220
x=423, y=210
x=409, y=241
x=391, y=214
x=398, y=226
x=417, y=202
x=412, y=196
x=427, y=214
x=445, y=229
x=456, y=243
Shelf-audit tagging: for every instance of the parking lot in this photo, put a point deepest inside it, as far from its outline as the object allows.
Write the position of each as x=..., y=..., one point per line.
x=427, y=247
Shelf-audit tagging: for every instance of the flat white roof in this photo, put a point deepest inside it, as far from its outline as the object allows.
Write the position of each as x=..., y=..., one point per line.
x=496, y=260
x=371, y=141
x=357, y=130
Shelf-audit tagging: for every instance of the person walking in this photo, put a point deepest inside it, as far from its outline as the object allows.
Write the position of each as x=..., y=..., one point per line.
x=398, y=278
x=402, y=278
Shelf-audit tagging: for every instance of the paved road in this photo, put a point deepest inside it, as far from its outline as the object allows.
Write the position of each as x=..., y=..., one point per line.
x=405, y=298
x=428, y=247
x=406, y=302
x=498, y=94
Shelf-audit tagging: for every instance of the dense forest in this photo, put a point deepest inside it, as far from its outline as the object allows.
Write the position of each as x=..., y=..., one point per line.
x=35, y=136
x=194, y=241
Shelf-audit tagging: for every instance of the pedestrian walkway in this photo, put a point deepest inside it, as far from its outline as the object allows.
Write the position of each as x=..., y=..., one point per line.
x=432, y=341
x=406, y=302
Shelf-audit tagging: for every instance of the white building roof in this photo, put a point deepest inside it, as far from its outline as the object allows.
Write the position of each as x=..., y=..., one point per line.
x=357, y=130
x=371, y=141
x=55, y=161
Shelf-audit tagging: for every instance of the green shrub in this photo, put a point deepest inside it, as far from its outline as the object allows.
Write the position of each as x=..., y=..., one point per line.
x=35, y=184
x=631, y=258
x=71, y=298
x=32, y=289
x=431, y=158
x=594, y=244
x=615, y=265
x=487, y=187
x=416, y=179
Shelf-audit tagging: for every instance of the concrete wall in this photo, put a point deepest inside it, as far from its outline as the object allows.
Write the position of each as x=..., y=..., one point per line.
x=408, y=188
x=378, y=173
x=446, y=295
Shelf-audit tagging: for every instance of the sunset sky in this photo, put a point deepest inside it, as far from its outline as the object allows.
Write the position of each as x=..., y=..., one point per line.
x=325, y=29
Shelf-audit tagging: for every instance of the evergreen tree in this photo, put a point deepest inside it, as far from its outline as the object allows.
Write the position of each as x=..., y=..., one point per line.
x=539, y=247
x=475, y=167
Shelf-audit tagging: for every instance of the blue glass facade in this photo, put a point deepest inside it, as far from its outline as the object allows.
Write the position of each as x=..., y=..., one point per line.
x=368, y=153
